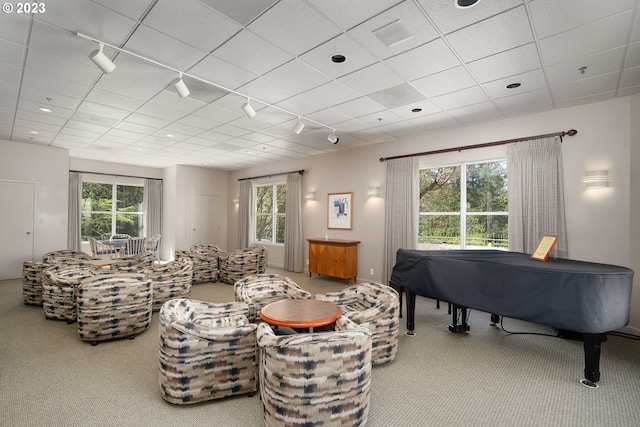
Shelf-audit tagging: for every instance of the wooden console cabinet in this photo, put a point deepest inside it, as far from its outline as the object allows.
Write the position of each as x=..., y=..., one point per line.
x=332, y=257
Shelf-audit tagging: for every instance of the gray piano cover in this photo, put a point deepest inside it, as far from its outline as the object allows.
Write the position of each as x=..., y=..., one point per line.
x=574, y=295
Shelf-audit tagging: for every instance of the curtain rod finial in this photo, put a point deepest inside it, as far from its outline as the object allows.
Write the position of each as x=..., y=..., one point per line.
x=383, y=159
x=571, y=132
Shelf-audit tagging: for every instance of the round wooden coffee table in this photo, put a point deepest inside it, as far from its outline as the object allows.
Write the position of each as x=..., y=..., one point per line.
x=300, y=313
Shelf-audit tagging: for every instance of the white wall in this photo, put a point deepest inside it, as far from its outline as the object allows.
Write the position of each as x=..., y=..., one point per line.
x=598, y=221
x=48, y=168
x=635, y=209
x=190, y=180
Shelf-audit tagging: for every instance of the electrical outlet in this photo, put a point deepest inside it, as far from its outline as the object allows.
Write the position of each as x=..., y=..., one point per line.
x=371, y=271
x=307, y=261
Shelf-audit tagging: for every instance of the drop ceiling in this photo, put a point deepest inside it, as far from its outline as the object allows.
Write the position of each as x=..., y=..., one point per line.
x=411, y=67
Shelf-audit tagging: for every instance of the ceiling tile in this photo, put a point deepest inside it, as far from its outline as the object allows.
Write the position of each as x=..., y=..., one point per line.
x=371, y=79
x=14, y=28
x=450, y=80
x=553, y=17
x=398, y=95
x=320, y=57
x=250, y=52
x=296, y=76
x=448, y=18
x=524, y=102
x=505, y=64
x=11, y=53
x=406, y=13
x=496, y=34
x=87, y=17
x=294, y=26
x=601, y=35
x=585, y=87
x=243, y=13
x=152, y=44
x=358, y=107
x=630, y=77
x=332, y=93
x=476, y=113
x=192, y=23
x=217, y=71
x=529, y=81
x=349, y=13
x=423, y=60
x=469, y=96
x=599, y=63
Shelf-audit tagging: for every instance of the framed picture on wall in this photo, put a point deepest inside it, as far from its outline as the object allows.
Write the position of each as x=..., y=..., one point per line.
x=339, y=214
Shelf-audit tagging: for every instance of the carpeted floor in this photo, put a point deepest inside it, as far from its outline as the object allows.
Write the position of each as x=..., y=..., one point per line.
x=486, y=377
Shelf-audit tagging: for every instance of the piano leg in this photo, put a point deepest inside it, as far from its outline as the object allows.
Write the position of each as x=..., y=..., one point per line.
x=454, y=327
x=411, y=312
x=592, y=343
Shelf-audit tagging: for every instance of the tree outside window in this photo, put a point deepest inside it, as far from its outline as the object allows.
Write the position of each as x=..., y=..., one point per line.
x=270, y=213
x=109, y=209
x=464, y=206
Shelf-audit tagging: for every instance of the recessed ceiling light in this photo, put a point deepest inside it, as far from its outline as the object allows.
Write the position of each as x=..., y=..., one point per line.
x=35, y=132
x=513, y=85
x=416, y=110
x=170, y=135
x=338, y=59
x=45, y=110
x=464, y=4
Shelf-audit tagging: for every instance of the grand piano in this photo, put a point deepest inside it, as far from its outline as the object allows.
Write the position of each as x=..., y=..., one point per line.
x=585, y=298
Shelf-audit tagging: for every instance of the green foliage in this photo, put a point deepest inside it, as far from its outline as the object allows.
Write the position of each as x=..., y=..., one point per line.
x=266, y=216
x=441, y=192
x=98, y=210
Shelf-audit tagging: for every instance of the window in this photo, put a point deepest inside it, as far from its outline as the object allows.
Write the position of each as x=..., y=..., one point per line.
x=270, y=213
x=109, y=209
x=464, y=206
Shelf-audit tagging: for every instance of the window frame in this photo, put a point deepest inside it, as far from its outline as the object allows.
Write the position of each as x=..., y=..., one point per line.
x=464, y=212
x=114, y=182
x=275, y=215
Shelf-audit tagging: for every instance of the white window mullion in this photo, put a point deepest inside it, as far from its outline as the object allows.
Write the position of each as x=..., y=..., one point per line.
x=463, y=206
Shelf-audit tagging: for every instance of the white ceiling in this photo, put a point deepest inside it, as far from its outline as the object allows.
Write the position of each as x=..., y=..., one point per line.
x=454, y=65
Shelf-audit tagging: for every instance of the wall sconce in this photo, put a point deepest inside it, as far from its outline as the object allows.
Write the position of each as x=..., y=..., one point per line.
x=236, y=200
x=311, y=195
x=596, y=179
x=374, y=192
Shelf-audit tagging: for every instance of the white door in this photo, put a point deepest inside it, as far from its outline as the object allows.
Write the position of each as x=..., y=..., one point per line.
x=206, y=216
x=16, y=227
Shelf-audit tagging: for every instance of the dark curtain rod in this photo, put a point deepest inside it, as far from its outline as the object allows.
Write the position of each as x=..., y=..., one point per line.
x=116, y=175
x=570, y=132
x=301, y=172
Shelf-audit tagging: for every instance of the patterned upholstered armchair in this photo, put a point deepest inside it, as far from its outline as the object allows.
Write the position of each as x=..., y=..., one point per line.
x=240, y=263
x=258, y=290
x=170, y=280
x=32, y=282
x=112, y=306
x=319, y=379
x=59, y=283
x=66, y=256
x=134, y=263
x=207, y=351
x=205, y=265
x=376, y=307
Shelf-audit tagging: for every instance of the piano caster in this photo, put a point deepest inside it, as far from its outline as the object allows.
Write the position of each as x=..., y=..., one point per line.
x=495, y=319
x=459, y=328
x=589, y=384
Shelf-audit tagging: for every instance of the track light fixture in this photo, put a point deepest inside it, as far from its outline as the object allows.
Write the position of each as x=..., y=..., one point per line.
x=298, y=127
x=101, y=60
x=105, y=64
x=180, y=87
x=248, y=109
x=333, y=138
